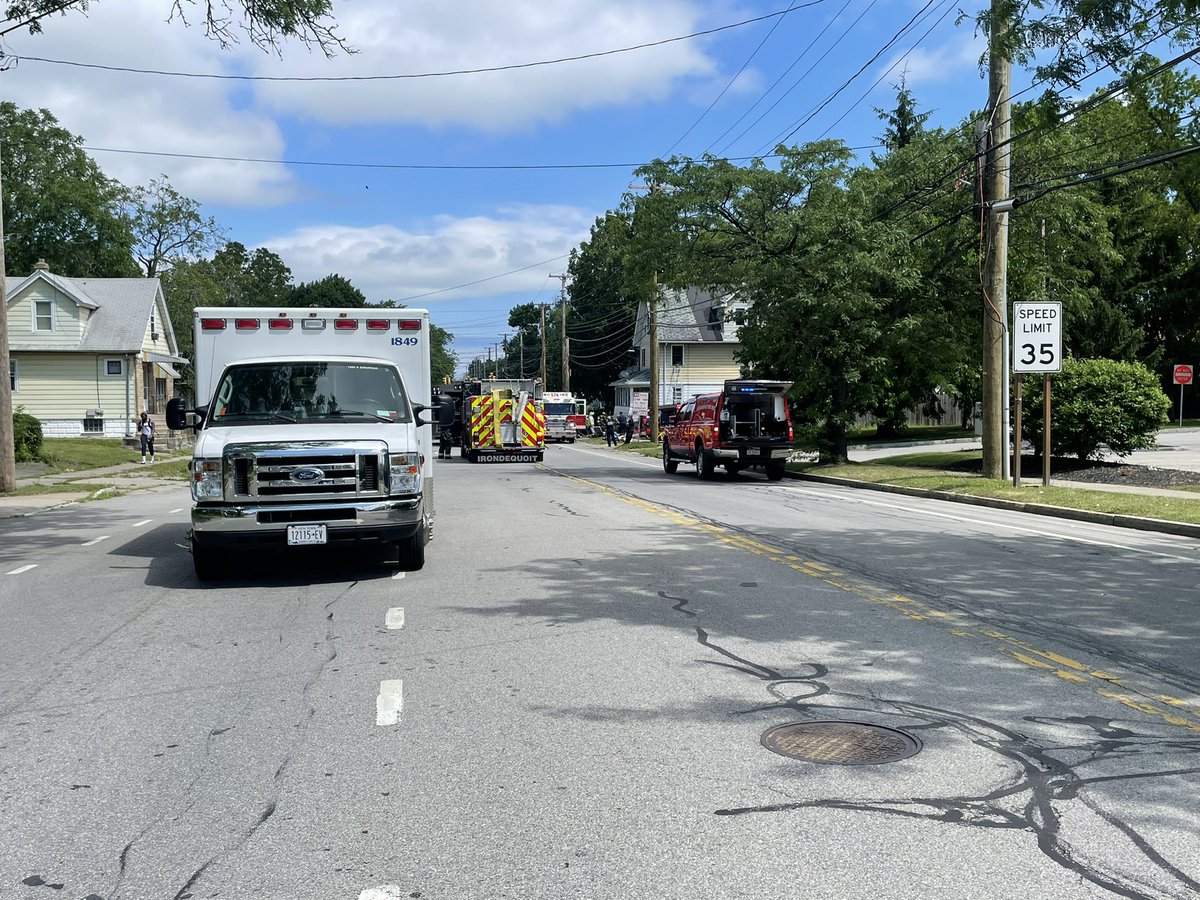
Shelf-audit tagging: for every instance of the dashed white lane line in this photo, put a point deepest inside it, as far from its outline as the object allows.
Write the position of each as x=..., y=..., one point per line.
x=390, y=702
x=176, y=510
x=22, y=569
x=94, y=541
x=383, y=892
x=395, y=618
x=398, y=576
x=141, y=523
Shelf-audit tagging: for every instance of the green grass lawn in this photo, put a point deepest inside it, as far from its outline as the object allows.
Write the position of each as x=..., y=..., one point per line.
x=80, y=454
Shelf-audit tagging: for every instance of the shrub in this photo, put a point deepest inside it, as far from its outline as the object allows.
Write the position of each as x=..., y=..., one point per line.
x=1094, y=402
x=27, y=436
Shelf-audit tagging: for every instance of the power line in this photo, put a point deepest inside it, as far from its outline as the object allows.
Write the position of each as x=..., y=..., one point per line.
x=736, y=76
x=783, y=75
x=408, y=75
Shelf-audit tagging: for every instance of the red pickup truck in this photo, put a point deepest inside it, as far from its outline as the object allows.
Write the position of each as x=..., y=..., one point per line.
x=745, y=424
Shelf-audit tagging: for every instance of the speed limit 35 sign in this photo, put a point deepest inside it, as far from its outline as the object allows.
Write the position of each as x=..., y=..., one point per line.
x=1037, y=337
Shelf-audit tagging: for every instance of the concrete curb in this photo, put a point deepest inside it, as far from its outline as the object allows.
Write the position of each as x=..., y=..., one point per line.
x=1181, y=529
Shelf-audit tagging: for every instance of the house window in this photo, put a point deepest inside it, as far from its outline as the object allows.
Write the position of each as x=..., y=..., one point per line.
x=114, y=367
x=14, y=376
x=93, y=425
x=43, y=315
x=677, y=393
x=677, y=355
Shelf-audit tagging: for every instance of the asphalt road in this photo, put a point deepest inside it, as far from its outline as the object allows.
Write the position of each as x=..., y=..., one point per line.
x=568, y=701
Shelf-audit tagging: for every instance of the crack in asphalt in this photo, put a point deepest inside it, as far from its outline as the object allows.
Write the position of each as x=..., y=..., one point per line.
x=1046, y=784
x=188, y=800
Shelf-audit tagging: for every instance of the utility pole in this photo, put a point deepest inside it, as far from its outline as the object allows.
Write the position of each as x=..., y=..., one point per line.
x=543, y=346
x=652, y=319
x=995, y=268
x=652, y=315
x=566, y=344
x=521, y=344
x=8, y=455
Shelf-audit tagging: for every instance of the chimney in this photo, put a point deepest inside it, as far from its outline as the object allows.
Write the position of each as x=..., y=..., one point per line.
x=41, y=266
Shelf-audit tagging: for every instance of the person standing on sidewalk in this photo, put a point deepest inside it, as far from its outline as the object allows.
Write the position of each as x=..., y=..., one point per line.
x=146, y=433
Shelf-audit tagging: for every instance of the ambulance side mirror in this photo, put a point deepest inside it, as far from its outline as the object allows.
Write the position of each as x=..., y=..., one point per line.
x=180, y=417
x=419, y=408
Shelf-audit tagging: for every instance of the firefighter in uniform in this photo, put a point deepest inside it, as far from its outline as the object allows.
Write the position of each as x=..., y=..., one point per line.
x=445, y=420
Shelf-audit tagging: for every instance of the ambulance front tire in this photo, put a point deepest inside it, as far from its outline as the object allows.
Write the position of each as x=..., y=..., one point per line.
x=411, y=551
x=204, y=561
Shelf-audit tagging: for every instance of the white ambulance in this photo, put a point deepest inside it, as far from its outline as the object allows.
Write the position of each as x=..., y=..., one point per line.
x=309, y=432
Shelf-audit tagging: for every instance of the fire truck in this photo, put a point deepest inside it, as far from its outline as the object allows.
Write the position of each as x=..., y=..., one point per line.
x=503, y=421
x=566, y=416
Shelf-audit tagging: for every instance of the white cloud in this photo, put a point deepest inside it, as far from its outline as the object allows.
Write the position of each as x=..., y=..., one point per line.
x=387, y=262
x=949, y=62
x=395, y=38
x=225, y=118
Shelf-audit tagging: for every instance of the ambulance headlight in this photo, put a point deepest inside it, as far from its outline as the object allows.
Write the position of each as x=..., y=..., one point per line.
x=206, y=480
x=406, y=473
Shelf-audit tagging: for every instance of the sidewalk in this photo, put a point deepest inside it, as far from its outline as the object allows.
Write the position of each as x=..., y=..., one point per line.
x=123, y=478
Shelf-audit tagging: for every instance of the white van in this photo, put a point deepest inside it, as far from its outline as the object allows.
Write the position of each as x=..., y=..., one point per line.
x=309, y=432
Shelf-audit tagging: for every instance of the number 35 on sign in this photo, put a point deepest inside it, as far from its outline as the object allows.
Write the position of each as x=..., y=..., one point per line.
x=1037, y=337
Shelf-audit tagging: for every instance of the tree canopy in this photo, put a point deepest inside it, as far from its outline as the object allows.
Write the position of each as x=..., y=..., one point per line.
x=58, y=205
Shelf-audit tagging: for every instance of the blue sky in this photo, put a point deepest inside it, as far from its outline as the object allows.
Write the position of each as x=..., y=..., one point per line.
x=416, y=235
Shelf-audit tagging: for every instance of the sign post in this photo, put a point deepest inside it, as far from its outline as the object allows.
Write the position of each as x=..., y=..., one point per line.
x=1182, y=375
x=1037, y=347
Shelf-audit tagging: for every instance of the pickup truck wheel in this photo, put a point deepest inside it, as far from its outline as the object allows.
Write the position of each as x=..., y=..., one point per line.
x=775, y=469
x=412, y=551
x=705, y=464
x=670, y=465
x=204, y=561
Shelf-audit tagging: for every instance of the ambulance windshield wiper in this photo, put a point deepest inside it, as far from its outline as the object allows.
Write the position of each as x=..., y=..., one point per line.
x=356, y=412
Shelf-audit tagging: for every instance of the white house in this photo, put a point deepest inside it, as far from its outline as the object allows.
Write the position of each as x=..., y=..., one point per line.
x=87, y=355
x=697, y=340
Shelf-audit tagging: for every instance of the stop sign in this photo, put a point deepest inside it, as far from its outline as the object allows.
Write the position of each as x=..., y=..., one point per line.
x=1183, y=374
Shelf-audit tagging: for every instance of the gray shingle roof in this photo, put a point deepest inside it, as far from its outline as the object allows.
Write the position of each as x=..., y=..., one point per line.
x=684, y=318
x=122, y=308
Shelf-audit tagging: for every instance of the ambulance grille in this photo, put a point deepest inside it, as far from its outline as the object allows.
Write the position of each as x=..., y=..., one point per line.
x=306, y=472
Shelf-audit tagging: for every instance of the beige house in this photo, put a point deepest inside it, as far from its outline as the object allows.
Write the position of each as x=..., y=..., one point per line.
x=697, y=339
x=88, y=355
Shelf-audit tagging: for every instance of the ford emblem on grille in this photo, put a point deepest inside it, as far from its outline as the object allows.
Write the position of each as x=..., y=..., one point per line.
x=307, y=475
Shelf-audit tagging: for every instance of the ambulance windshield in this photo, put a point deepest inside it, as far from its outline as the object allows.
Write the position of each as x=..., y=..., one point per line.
x=298, y=391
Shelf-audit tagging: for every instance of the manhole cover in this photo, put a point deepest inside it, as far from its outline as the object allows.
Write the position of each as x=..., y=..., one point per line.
x=841, y=743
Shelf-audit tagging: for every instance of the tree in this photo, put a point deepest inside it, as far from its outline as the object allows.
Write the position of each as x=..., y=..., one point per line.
x=904, y=123
x=837, y=303
x=167, y=227
x=265, y=25
x=331, y=291
x=58, y=205
x=610, y=276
